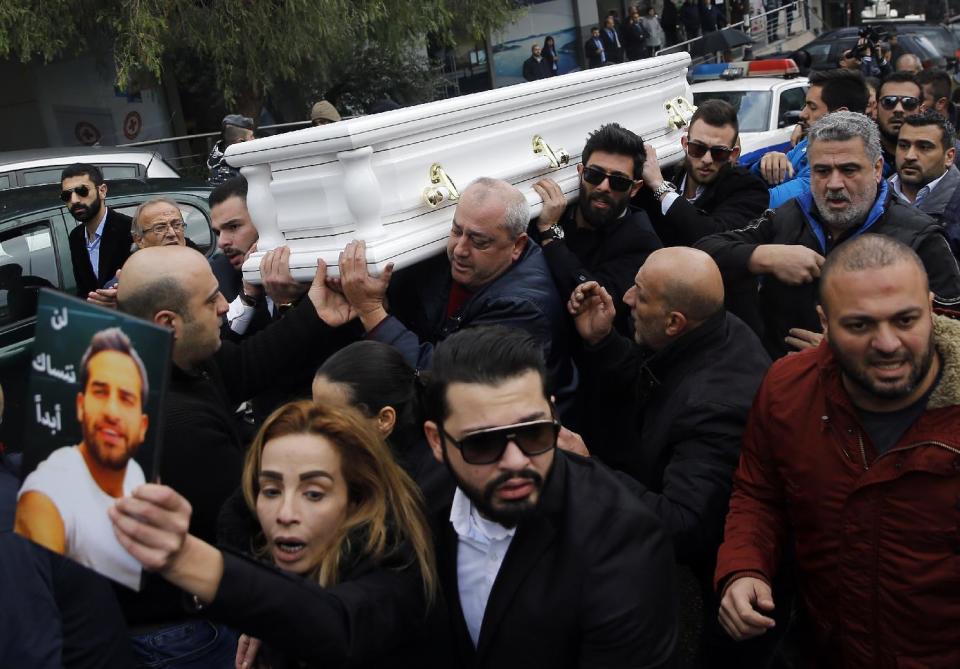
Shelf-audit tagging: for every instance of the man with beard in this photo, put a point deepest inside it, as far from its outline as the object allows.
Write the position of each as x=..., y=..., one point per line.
x=848, y=197
x=98, y=247
x=544, y=558
x=599, y=237
x=669, y=410
x=712, y=194
x=899, y=96
x=788, y=174
x=926, y=176
x=850, y=457
x=491, y=273
x=62, y=504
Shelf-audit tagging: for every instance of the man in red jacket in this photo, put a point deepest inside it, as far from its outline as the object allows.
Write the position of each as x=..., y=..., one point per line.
x=853, y=449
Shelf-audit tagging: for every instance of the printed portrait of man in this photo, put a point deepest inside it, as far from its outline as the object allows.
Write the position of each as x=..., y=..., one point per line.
x=62, y=505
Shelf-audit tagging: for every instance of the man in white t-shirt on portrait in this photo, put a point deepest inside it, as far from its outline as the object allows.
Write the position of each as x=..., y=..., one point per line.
x=62, y=505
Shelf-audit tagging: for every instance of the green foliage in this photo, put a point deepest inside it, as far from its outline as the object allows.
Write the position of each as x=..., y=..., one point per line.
x=250, y=46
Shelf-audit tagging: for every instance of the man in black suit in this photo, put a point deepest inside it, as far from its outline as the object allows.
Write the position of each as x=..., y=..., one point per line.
x=611, y=41
x=545, y=559
x=99, y=247
x=535, y=67
x=594, y=50
x=709, y=194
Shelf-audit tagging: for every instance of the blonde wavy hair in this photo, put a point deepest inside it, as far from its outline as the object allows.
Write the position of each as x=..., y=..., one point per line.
x=384, y=504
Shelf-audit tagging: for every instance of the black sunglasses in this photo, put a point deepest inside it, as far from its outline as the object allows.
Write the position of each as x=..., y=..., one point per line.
x=889, y=102
x=595, y=177
x=720, y=154
x=82, y=191
x=485, y=447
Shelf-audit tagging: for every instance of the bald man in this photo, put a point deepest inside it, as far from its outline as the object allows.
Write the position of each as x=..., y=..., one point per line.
x=668, y=409
x=909, y=62
x=202, y=451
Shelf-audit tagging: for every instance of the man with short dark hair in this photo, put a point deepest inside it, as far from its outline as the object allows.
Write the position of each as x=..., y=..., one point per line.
x=535, y=67
x=937, y=88
x=899, y=96
x=599, y=237
x=235, y=128
x=850, y=463
x=62, y=505
x=491, y=273
x=927, y=176
x=594, y=49
x=788, y=174
x=848, y=197
x=544, y=558
x=99, y=247
x=709, y=192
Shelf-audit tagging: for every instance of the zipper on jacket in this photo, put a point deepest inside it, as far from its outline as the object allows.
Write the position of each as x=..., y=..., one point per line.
x=924, y=443
x=863, y=451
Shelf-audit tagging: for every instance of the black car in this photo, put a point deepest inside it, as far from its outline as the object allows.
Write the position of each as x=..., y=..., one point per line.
x=825, y=50
x=35, y=253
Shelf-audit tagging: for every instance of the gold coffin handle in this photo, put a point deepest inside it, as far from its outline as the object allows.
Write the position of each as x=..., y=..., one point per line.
x=679, y=112
x=434, y=195
x=557, y=157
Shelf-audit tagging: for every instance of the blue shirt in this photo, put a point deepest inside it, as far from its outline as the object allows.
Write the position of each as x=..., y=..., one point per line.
x=93, y=246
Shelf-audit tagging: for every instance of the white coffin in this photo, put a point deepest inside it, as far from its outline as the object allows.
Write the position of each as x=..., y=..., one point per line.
x=365, y=178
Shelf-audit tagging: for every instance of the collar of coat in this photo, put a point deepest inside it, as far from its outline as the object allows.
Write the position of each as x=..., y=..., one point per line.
x=811, y=215
x=946, y=336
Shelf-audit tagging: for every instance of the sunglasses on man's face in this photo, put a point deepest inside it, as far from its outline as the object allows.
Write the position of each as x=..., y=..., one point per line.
x=82, y=191
x=485, y=447
x=595, y=177
x=720, y=154
x=889, y=102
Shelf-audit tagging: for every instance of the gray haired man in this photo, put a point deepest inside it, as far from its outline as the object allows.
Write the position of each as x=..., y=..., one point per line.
x=491, y=274
x=848, y=197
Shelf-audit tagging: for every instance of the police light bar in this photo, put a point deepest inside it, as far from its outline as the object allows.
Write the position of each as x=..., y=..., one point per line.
x=781, y=67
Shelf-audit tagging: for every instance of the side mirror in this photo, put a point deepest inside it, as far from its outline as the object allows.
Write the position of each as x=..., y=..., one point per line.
x=789, y=118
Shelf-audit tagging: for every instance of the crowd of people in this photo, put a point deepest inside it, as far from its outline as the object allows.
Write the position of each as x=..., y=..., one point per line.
x=699, y=417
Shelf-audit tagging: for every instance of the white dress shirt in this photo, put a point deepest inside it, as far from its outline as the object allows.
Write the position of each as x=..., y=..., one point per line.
x=480, y=550
x=894, y=181
x=672, y=196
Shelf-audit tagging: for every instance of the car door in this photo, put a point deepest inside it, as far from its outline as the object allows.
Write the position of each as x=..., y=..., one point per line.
x=34, y=254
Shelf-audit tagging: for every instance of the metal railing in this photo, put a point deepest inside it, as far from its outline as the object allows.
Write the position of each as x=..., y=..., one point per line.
x=794, y=18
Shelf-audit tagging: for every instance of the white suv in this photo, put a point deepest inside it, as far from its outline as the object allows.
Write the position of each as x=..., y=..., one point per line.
x=35, y=167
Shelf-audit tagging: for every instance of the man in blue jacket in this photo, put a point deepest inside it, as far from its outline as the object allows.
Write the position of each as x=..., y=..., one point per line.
x=788, y=174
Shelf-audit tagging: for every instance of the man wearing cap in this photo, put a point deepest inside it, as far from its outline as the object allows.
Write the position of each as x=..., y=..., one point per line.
x=323, y=113
x=236, y=128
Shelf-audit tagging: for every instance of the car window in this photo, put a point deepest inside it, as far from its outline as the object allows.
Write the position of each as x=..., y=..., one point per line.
x=28, y=262
x=6, y=181
x=753, y=107
x=819, y=53
x=119, y=171
x=42, y=175
x=791, y=100
x=928, y=49
x=942, y=40
x=198, y=227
